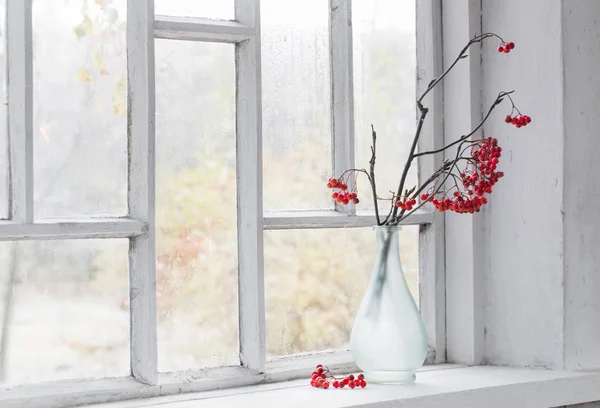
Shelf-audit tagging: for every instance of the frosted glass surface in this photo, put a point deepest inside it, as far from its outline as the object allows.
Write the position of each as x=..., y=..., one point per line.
x=221, y=9
x=196, y=241
x=80, y=108
x=296, y=104
x=314, y=283
x=384, y=90
x=65, y=310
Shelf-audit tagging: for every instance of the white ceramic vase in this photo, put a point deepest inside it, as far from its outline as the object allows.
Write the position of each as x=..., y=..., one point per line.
x=388, y=340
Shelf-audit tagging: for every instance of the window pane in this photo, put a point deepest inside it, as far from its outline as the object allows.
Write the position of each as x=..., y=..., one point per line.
x=315, y=281
x=196, y=205
x=296, y=104
x=63, y=310
x=80, y=125
x=3, y=135
x=222, y=9
x=384, y=90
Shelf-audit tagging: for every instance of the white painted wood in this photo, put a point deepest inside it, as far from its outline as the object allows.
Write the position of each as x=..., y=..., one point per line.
x=20, y=108
x=251, y=290
x=72, y=229
x=432, y=289
x=524, y=280
x=465, y=260
x=342, y=91
x=277, y=220
x=141, y=188
x=581, y=189
x=201, y=29
x=444, y=386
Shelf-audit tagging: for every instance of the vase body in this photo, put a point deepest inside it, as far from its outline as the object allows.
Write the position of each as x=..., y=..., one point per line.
x=388, y=340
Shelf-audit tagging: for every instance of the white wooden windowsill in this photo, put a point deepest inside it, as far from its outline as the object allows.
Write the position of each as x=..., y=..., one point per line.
x=437, y=386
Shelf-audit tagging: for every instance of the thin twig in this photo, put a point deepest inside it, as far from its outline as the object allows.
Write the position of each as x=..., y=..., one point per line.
x=372, y=171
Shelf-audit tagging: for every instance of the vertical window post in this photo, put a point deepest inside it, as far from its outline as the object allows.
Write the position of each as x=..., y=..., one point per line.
x=251, y=290
x=432, y=284
x=20, y=108
x=342, y=90
x=141, y=188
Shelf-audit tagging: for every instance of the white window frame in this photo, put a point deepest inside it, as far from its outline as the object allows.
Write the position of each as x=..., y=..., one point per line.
x=139, y=226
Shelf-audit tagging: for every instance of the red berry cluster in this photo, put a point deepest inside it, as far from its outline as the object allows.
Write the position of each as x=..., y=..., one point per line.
x=406, y=204
x=343, y=196
x=518, y=120
x=322, y=378
x=477, y=183
x=506, y=47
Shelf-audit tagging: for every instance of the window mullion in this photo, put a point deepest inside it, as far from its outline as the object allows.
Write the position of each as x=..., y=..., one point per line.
x=342, y=90
x=141, y=188
x=432, y=284
x=251, y=291
x=20, y=108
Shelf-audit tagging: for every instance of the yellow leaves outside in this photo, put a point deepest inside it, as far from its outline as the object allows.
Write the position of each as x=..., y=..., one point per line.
x=83, y=75
x=120, y=97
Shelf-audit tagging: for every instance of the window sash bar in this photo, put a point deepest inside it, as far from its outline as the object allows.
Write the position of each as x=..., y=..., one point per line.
x=92, y=228
x=141, y=188
x=201, y=29
x=19, y=55
x=278, y=220
x=251, y=291
x=342, y=91
x=432, y=285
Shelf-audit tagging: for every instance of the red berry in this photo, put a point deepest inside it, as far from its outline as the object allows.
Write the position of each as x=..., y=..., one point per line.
x=319, y=365
x=336, y=384
x=355, y=201
x=351, y=384
x=351, y=377
x=500, y=49
x=345, y=381
x=363, y=383
x=507, y=119
x=344, y=187
x=511, y=45
x=329, y=185
x=320, y=370
x=423, y=197
x=342, y=384
x=333, y=181
x=361, y=376
x=345, y=201
x=324, y=376
x=506, y=50
x=334, y=195
x=408, y=207
x=325, y=385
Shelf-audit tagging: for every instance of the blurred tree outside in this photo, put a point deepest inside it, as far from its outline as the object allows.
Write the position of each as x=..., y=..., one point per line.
x=68, y=299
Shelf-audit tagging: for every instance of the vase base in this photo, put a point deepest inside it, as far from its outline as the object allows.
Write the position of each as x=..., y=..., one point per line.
x=390, y=377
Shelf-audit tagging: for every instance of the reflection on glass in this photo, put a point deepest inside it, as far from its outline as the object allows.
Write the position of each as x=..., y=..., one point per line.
x=296, y=104
x=80, y=107
x=384, y=90
x=63, y=310
x=315, y=280
x=196, y=205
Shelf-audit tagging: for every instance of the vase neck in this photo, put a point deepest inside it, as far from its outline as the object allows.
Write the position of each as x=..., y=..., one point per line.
x=387, y=237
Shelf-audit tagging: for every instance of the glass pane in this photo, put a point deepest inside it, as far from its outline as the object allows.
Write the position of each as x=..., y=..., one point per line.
x=54, y=298
x=384, y=90
x=80, y=107
x=196, y=205
x=222, y=9
x=296, y=104
x=314, y=283
x=3, y=135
